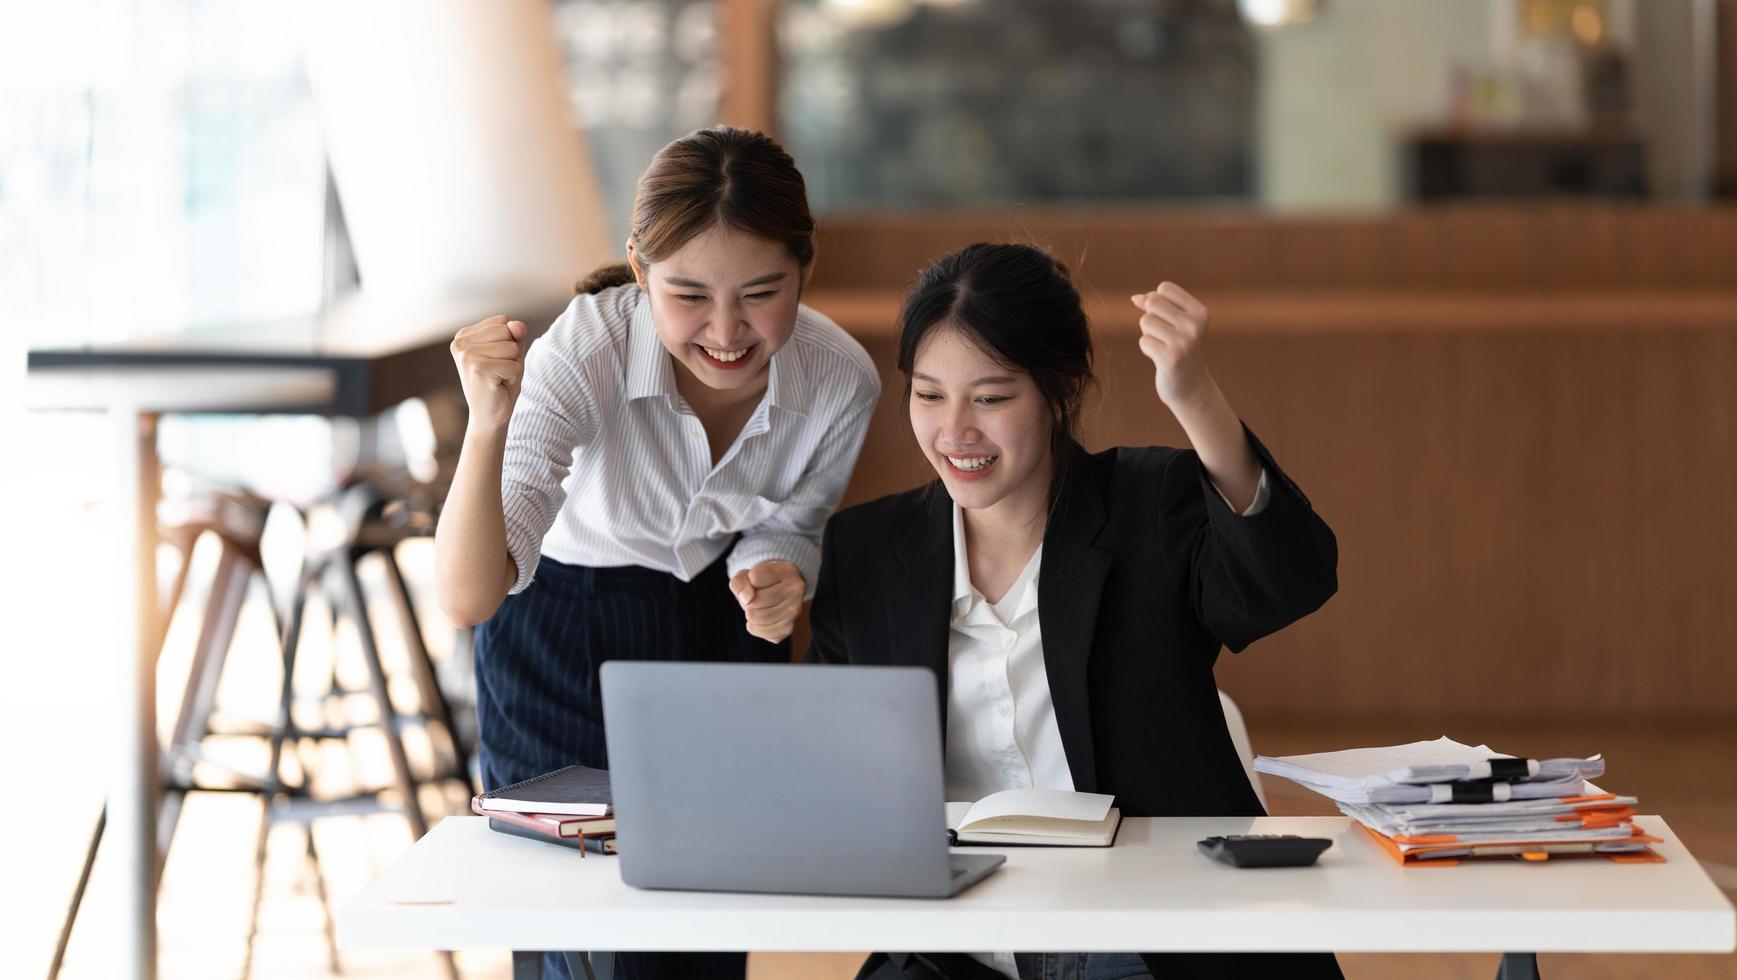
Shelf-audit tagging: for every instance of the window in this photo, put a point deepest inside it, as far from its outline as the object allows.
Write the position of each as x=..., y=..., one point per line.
x=163, y=168
x=919, y=102
x=643, y=72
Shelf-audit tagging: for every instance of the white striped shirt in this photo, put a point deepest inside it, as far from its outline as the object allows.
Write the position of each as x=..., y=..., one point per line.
x=606, y=465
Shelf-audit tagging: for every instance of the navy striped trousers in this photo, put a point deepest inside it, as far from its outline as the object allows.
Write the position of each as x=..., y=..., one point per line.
x=540, y=703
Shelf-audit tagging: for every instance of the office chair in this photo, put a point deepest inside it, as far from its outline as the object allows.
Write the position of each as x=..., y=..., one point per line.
x=1239, y=736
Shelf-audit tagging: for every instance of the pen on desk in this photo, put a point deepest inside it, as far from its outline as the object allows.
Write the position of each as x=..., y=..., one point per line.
x=431, y=901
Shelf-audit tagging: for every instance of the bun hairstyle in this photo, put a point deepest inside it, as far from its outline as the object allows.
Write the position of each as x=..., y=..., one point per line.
x=604, y=277
x=735, y=177
x=1017, y=304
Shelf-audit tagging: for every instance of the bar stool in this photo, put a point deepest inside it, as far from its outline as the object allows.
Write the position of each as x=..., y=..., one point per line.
x=237, y=520
x=368, y=526
x=358, y=523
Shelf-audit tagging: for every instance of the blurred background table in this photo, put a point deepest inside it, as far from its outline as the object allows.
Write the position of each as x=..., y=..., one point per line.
x=356, y=360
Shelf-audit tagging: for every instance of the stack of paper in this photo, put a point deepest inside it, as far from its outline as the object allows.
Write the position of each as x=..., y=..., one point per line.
x=1442, y=800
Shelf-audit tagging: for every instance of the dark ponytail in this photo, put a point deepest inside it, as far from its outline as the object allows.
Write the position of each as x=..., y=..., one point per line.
x=604, y=277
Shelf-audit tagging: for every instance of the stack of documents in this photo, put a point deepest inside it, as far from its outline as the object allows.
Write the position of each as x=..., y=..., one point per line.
x=1443, y=800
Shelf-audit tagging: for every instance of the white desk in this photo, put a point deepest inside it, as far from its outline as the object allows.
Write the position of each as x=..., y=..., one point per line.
x=465, y=887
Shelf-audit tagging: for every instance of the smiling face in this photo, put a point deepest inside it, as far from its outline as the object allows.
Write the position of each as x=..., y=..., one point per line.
x=723, y=304
x=983, y=425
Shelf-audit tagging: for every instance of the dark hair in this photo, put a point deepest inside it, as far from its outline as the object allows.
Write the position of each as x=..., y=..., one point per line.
x=1018, y=305
x=735, y=177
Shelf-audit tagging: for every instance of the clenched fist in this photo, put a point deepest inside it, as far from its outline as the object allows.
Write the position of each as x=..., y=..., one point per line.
x=491, y=362
x=770, y=594
x=1173, y=335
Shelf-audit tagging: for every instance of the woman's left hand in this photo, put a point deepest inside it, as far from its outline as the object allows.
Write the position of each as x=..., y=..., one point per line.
x=770, y=594
x=1173, y=335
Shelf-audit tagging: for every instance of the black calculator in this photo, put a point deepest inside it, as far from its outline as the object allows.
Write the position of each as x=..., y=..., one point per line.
x=1265, y=850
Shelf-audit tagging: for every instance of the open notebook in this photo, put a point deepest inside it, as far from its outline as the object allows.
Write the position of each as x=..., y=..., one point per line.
x=1040, y=817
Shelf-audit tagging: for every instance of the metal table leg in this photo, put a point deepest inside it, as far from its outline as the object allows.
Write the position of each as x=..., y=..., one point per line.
x=527, y=965
x=132, y=806
x=1518, y=966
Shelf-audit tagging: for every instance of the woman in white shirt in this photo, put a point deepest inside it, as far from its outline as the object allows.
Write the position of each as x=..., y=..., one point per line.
x=1070, y=604
x=650, y=478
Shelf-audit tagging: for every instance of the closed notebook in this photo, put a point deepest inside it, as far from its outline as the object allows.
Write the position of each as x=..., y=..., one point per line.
x=575, y=790
x=1039, y=817
x=551, y=824
x=502, y=824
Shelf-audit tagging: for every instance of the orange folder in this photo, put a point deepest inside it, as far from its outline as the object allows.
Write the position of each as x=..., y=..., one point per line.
x=1418, y=854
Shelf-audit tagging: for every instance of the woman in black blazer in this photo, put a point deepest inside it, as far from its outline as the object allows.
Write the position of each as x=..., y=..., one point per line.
x=1072, y=604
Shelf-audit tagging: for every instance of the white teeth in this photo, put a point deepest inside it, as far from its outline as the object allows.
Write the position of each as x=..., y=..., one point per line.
x=727, y=355
x=973, y=463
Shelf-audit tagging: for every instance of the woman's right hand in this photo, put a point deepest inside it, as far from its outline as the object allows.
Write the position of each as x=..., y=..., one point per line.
x=491, y=362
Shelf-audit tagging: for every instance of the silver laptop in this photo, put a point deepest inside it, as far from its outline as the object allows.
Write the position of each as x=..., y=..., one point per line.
x=781, y=778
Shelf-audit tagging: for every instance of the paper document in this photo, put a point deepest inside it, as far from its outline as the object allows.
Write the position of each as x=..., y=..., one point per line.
x=1439, y=771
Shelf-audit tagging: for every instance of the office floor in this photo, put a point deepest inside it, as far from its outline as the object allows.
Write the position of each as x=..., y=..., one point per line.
x=58, y=694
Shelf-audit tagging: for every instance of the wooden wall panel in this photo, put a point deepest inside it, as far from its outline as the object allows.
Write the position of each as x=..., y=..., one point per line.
x=1464, y=249
x=748, y=46
x=1534, y=512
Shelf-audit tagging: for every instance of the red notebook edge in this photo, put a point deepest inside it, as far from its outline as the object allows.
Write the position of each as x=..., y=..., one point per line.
x=561, y=826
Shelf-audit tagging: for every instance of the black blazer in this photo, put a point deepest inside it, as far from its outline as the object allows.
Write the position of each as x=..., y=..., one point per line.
x=1146, y=574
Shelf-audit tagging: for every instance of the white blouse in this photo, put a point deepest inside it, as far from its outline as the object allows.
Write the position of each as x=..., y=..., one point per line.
x=1001, y=727
x=607, y=465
